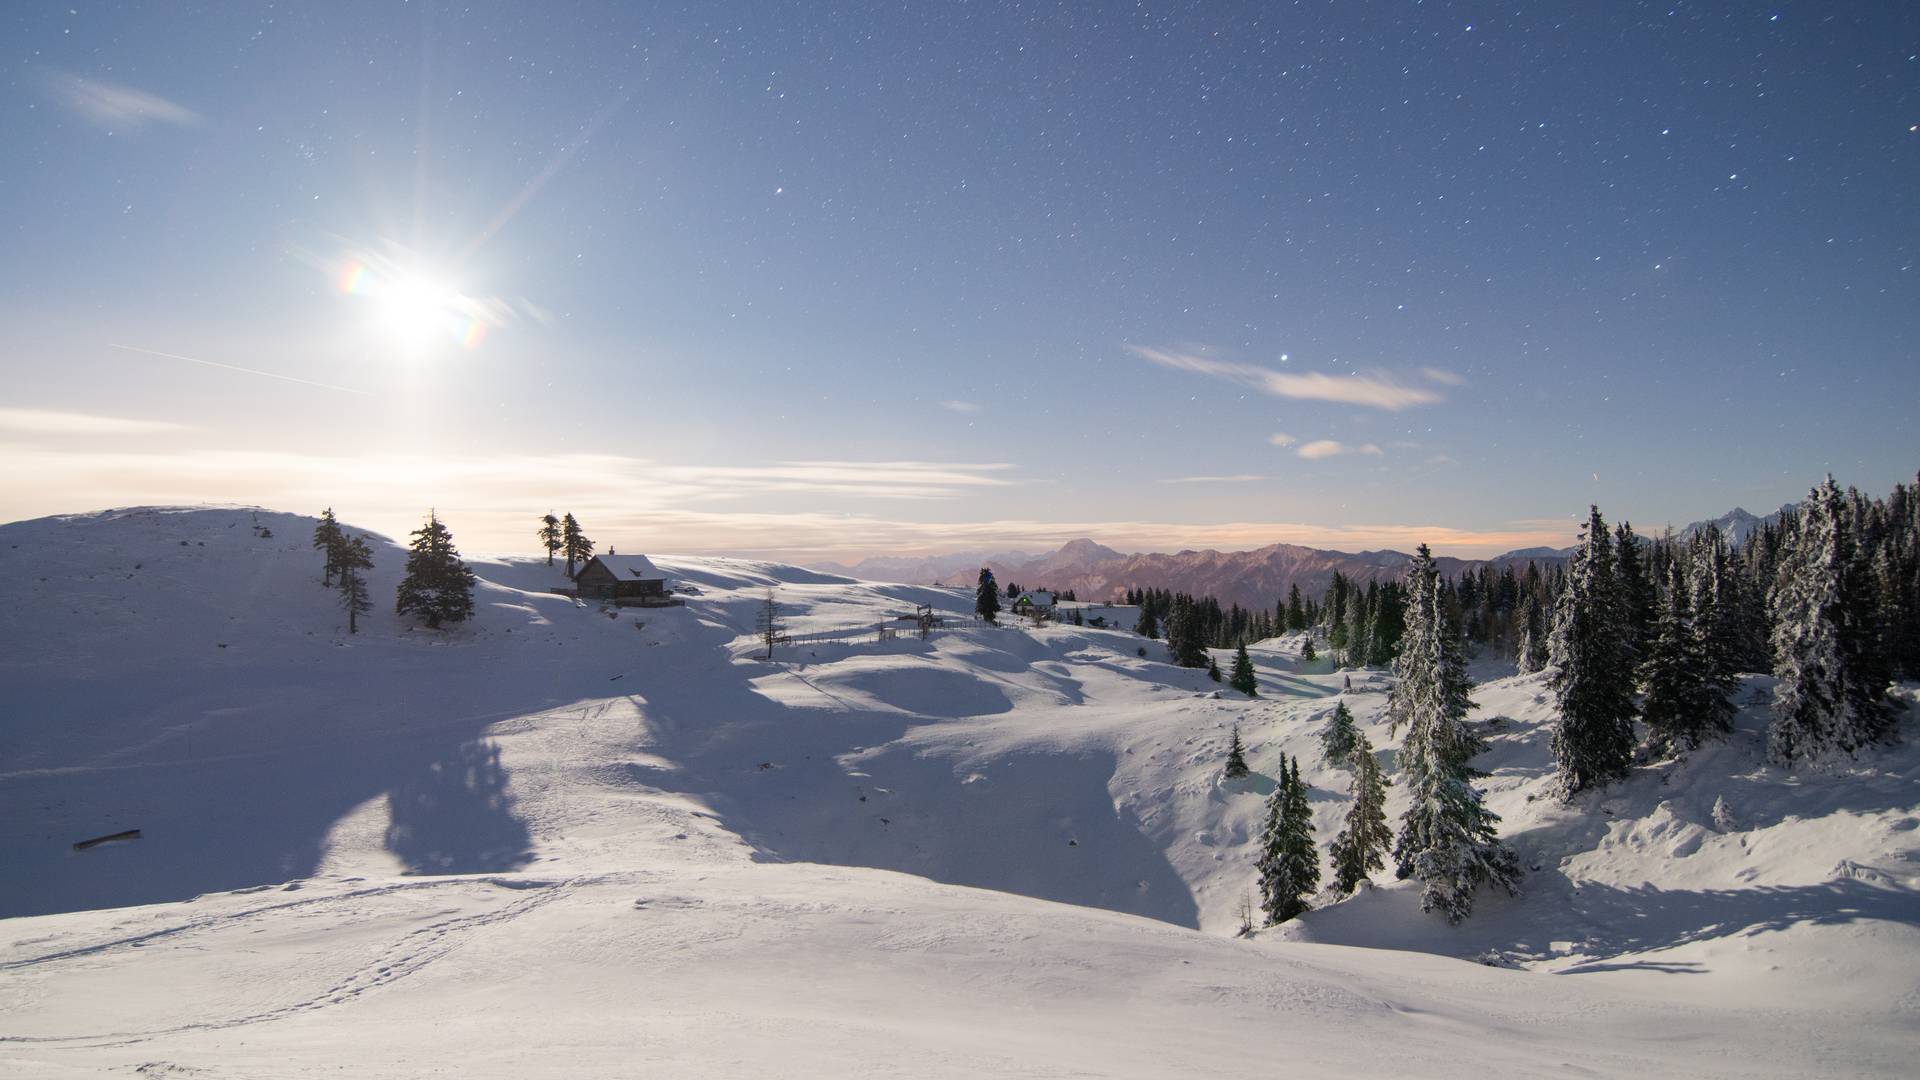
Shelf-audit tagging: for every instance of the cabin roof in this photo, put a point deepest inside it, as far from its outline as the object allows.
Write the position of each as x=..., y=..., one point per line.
x=627, y=567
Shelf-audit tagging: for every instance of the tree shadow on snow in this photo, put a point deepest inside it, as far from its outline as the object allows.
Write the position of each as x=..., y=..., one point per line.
x=455, y=816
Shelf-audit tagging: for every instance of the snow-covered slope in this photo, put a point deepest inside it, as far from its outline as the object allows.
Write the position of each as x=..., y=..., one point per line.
x=568, y=840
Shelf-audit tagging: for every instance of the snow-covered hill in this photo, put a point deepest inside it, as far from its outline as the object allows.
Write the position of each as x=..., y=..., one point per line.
x=568, y=840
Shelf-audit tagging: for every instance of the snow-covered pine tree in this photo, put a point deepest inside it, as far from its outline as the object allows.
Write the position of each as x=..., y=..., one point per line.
x=1531, y=653
x=1679, y=707
x=1236, y=757
x=1289, y=862
x=1636, y=585
x=355, y=555
x=437, y=587
x=1709, y=592
x=550, y=535
x=574, y=543
x=1307, y=653
x=1447, y=837
x=1339, y=737
x=986, y=596
x=1336, y=606
x=1593, y=669
x=1821, y=706
x=1244, y=679
x=329, y=541
x=1358, y=849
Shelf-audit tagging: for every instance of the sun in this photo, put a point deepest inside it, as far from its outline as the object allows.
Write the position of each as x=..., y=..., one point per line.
x=413, y=310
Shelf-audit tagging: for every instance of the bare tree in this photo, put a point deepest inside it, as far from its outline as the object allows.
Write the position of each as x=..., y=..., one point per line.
x=769, y=622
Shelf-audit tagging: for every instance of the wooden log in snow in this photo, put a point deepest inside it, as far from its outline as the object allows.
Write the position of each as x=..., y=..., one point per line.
x=111, y=838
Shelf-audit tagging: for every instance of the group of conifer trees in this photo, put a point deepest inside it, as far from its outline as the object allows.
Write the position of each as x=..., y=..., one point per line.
x=1447, y=838
x=346, y=556
x=1218, y=626
x=1826, y=597
x=437, y=586
x=562, y=536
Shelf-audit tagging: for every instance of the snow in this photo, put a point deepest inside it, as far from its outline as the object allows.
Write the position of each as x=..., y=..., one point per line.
x=569, y=840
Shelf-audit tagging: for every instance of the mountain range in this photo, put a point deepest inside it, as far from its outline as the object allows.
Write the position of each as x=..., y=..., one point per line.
x=1093, y=571
x=1253, y=579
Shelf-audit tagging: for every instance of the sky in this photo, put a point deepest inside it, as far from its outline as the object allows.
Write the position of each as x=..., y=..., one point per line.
x=818, y=281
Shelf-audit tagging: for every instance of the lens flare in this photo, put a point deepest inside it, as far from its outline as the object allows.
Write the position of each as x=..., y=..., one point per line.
x=413, y=310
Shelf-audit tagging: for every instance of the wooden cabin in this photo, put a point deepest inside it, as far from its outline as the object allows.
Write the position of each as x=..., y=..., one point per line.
x=631, y=578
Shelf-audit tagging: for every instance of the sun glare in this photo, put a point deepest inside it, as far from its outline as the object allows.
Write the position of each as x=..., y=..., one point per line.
x=414, y=311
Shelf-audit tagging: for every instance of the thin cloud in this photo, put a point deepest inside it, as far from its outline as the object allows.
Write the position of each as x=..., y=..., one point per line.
x=1372, y=391
x=960, y=406
x=639, y=505
x=1443, y=376
x=1326, y=448
x=119, y=107
x=1237, y=478
x=1281, y=438
x=55, y=422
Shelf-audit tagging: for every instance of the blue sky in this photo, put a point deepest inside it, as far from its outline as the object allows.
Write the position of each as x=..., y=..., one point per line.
x=806, y=281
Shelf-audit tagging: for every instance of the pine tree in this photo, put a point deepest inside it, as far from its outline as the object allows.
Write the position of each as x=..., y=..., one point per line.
x=1679, y=708
x=1593, y=676
x=1531, y=654
x=1296, y=614
x=574, y=543
x=1357, y=851
x=1213, y=668
x=1289, y=862
x=1236, y=757
x=1244, y=680
x=550, y=537
x=1147, y=626
x=355, y=555
x=1184, y=639
x=1341, y=735
x=330, y=541
x=1358, y=643
x=437, y=587
x=1307, y=653
x=1635, y=587
x=1447, y=839
x=1822, y=705
x=986, y=596
x=1385, y=625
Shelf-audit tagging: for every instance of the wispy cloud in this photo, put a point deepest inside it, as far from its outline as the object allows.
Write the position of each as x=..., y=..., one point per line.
x=1281, y=438
x=635, y=504
x=1237, y=478
x=1372, y=391
x=113, y=106
x=960, y=406
x=1443, y=376
x=1326, y=448
x=55, y=422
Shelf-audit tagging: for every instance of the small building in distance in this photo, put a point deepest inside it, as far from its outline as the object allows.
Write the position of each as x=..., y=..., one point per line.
x=628, y=580
x=1034, y=603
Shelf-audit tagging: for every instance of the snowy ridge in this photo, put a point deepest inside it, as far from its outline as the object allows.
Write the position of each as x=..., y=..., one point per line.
x=563, y=839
